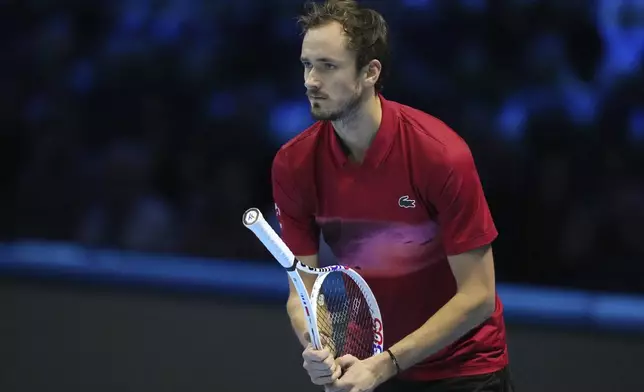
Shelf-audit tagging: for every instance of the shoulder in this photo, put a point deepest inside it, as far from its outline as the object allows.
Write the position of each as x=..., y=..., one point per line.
x=298, y=150
x=300, y=145
x=432, y=143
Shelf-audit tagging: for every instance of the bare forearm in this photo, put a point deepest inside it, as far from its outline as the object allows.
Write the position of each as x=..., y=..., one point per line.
x=294, y=305
x=452, y=321
x=298, y=322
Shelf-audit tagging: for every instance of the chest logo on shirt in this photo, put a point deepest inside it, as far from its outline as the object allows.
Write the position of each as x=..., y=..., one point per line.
x=406, y=202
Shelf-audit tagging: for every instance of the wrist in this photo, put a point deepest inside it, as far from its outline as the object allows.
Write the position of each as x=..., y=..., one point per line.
x=384, y=367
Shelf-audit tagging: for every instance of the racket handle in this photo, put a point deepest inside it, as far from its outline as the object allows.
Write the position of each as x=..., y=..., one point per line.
x=255, y=222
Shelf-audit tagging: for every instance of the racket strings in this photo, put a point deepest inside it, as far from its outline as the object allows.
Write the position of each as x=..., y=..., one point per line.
x=344, y=318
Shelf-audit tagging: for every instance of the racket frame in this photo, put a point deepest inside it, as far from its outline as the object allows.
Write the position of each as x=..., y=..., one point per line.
x=374, y=310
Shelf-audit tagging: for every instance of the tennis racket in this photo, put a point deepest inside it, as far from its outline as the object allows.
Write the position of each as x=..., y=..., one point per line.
x=341, y=309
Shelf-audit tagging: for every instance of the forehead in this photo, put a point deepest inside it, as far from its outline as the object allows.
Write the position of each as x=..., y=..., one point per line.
x=326, y=41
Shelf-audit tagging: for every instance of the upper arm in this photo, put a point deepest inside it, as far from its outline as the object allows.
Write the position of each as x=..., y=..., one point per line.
x=455, y=191
x=474, y=274
x=467, y=228
x=466, y=223
x=293, y=209
x=294, y=215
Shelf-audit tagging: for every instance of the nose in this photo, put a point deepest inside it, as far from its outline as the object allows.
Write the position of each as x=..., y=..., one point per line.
x=311, y=82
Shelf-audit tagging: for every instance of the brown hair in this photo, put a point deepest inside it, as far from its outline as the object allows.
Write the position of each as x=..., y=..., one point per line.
x=365, y=28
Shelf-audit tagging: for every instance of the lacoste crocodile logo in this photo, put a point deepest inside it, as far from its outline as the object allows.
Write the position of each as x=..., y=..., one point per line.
x=406, y=202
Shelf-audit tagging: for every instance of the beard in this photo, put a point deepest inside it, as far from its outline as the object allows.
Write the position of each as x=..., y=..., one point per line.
x=345, y=110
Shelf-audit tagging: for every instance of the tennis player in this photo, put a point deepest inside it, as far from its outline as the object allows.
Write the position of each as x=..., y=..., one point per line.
x=394, y=191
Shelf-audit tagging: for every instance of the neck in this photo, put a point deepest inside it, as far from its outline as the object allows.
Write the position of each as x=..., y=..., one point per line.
x=358, y=129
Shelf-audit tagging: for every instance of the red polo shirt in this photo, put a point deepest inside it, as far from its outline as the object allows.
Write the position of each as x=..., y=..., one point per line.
x=415, y=199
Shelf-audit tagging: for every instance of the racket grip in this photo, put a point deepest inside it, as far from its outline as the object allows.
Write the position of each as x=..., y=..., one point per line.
x=255, y=222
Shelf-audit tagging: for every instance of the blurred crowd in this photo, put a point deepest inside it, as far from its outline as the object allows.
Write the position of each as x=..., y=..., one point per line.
x=151, y=124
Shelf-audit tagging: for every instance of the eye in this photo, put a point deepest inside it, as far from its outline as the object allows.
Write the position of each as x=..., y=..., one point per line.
x=306, y=64
x=329, y=66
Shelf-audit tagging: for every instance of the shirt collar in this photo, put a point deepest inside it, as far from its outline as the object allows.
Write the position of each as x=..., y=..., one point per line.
x=381, y=143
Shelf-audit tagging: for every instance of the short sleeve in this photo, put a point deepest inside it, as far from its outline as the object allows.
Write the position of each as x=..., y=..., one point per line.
x=463, y=213
x=297, y=222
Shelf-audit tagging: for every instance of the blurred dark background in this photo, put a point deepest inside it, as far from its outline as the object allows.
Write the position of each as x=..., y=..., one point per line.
x=150, y=125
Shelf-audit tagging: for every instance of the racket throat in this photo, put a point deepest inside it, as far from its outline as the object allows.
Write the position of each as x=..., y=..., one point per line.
x=293, y=266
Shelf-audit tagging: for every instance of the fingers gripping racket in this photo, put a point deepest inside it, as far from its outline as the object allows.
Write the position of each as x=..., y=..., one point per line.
x=341, y=308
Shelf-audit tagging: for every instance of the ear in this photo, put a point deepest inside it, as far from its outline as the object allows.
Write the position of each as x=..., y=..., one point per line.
x=372, y=72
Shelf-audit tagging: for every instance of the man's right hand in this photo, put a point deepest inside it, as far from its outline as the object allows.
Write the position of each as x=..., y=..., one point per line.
x=320, y=365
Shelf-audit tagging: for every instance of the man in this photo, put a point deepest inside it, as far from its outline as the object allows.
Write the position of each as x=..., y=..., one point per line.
x=394, y=191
